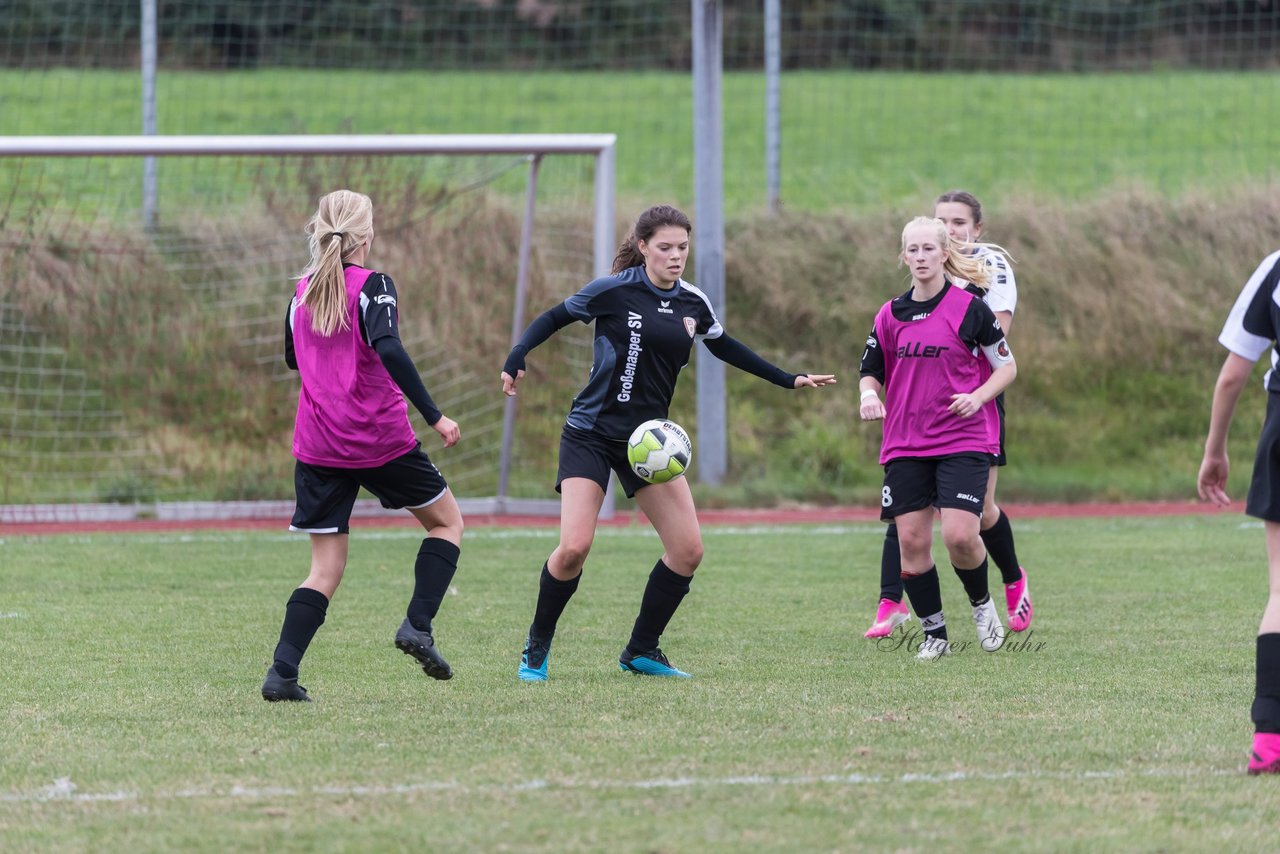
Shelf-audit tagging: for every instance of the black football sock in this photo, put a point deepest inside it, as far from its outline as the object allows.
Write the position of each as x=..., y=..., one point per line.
x=662, y=596
x=925, y=593
x=553, y=595
x=303, y=615
x=975, y=582
x=1266, y=699
x=437, y=562
x=891, y=566
x=999, y=542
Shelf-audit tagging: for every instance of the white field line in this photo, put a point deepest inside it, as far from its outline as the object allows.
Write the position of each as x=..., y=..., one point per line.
x=541, y=533
x=63, y=790
x=550, y=533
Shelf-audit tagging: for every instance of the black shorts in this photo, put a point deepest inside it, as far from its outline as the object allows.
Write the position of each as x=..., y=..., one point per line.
x=1264, y=490
x=958, y=481
x=589, y=455
x=326, y=495
x=1000, y=458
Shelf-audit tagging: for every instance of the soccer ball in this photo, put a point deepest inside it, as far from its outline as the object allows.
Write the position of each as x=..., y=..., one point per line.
x=659, y=451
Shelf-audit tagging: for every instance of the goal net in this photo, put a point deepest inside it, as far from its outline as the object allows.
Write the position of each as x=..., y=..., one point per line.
x=146, y=284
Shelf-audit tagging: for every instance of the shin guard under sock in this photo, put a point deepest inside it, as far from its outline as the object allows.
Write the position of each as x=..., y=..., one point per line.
x=975, y=582
x=553, y=596
x=1266, y=698
x=925, y=593
x=999, y=542
x=303, y=614
x=662, y=596
x=891, y=566
x=437, y=562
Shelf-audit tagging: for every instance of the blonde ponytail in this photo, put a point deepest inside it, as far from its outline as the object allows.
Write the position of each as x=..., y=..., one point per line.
x=342, y=222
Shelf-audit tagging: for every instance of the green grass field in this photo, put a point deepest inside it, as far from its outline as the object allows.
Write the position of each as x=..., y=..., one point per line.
x=132, y=719
x=850, y=141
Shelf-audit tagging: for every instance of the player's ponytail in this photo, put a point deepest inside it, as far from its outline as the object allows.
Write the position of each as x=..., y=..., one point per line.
x=656, y=217
x=628, y=254
x=962, y=263
x=967, y=261
x=342, y=222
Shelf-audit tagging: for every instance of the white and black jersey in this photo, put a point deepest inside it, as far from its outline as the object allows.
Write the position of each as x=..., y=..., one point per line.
x=643, y=337
x=1002, y=287
x=1254, y=322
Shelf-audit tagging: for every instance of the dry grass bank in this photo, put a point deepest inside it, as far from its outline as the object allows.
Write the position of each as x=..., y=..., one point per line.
x=1120, y=301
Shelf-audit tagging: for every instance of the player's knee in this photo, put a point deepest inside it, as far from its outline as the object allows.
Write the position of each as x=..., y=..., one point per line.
x=573, y=553
x=687, y=556
x=965, y=549
x=915, y=544
x=325, y=579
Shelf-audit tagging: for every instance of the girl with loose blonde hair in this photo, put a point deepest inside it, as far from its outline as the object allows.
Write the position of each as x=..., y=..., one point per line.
x=964, y=258
x=961, y=213
x=940, y=357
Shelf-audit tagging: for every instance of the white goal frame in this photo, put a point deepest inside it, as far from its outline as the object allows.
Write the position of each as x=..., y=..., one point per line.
x=533, y=146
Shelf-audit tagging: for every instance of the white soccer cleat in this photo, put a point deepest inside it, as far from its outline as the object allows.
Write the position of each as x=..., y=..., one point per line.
x=990, y=631
x=933, y=648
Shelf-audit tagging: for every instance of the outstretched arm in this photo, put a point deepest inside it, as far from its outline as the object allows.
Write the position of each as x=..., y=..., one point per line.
x=733, y=352
x=543, y=327
x=1211, y=483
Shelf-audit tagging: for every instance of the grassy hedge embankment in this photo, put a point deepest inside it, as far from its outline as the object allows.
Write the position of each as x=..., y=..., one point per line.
x=1120, y=302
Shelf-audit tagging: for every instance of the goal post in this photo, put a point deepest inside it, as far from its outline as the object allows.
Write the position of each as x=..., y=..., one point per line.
x=82, y=252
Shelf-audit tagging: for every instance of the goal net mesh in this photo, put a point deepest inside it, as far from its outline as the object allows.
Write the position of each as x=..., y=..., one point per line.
x=142, y=365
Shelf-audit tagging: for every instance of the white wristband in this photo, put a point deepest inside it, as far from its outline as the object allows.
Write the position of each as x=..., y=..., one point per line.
x=868, y=392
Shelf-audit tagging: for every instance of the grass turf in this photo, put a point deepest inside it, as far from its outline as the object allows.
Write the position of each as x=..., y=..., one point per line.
x=847, y=144
x=132, y=717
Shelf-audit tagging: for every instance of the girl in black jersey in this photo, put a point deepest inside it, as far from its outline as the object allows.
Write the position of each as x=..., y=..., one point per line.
x=646, y=322
x=352, y=430
x=1251, y=329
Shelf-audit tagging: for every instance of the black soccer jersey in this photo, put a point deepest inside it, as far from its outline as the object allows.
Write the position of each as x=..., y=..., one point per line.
x=1254, y=322
x=643, y=338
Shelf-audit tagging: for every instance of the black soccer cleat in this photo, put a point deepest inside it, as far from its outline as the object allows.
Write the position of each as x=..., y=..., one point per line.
x=422, y=646
x=277, y=688
x=651, y=663
x=533, y=661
